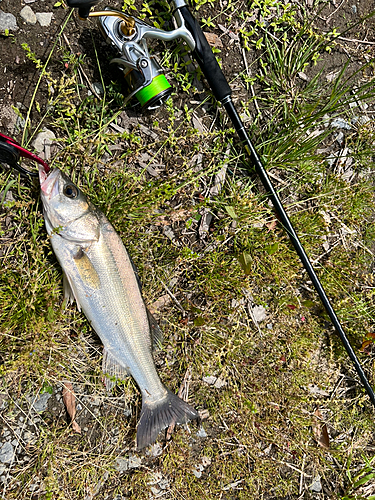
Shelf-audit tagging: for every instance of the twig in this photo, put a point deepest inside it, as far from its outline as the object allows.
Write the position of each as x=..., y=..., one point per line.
x=179, y=306
x=354, y=40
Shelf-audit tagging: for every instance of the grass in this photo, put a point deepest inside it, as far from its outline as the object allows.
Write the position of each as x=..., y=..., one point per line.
x=261, y=424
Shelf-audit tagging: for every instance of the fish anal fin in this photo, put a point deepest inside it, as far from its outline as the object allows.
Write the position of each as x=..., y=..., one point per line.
x=112, y=370
x=156, y=333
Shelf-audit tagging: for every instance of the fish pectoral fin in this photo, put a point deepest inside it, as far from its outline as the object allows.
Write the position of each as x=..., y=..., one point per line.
x=112, y=370
x=86, y=269
x=156, y=333
x=69, y=294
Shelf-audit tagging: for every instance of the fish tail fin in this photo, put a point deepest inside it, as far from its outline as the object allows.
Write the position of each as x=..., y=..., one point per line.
x=158, y=415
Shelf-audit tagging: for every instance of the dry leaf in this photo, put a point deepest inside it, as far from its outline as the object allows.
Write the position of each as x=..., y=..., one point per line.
x=320, y=430
x=213, y=40
x=271, y=225
x=69, y=399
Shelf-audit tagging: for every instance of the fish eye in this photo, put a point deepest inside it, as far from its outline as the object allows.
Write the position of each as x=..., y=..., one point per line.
x=70, y=191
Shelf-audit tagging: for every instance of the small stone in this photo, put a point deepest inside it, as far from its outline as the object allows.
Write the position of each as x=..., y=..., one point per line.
x=8, y=22
x=155, y=450
x=198, y=471
x=340, y=138
x=42, y=143
x=40, y=404
x=202, y=433
x=7, y=453
x=210, y=380
x=28, y=15
x=44, y=18
x=341, y=123
x=122, y=464
x=134, y=462
x=219, y=383
x=316, y=485
x=98, y=87
x=259, y=313
x=354, y=9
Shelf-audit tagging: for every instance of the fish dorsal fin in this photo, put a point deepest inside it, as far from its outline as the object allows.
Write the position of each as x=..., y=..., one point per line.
x=112, y=370
x=86, y=269
x=69, y=294
x=156, y=333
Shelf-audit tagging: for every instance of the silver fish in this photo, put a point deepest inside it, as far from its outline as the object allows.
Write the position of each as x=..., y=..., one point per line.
x=99, y=275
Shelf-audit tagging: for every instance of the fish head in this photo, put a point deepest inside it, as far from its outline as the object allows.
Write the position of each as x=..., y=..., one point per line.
x=65, y=206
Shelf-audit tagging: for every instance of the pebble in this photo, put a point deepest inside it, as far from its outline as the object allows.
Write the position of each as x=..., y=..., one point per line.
x=28, y=15
x=122, y=464
x=341, y=123
x=155, y=450
x=259, y=313
x=202, y=433
x=8, y=22
x=316, y=485
x=44, y=18
x=40, y=404
x=198, y=470
x=7, y=453
x=42, y=143
x=98, y=87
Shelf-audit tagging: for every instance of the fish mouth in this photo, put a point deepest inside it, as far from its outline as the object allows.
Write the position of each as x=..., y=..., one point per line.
x=49, y=184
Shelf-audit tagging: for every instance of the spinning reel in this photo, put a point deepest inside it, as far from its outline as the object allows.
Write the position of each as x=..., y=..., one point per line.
x=127, y=35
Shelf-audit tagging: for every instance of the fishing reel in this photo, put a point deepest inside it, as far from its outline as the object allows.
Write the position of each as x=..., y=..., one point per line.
x=143, y=75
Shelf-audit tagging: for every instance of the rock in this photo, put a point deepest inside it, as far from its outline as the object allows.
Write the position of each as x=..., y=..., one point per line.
x=198, y=471
x=8, y=22
x=28, y=15
x=98, y=87
x=259, y=313
x=134, y=462
x=316, y=485
x=44, y=18
x=42, y=143
x=40, y=404
x=202, y=433
x=7, y=453
x=210, y=380
x=341, y=123
x=122, y=464
x=155, y=450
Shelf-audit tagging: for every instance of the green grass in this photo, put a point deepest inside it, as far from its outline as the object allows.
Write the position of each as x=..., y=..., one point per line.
x=260, y=442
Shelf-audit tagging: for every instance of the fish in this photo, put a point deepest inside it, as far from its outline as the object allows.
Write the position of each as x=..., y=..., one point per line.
x=99, y=275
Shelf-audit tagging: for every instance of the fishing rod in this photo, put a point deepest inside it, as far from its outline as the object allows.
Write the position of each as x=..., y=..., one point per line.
x=128, y=36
